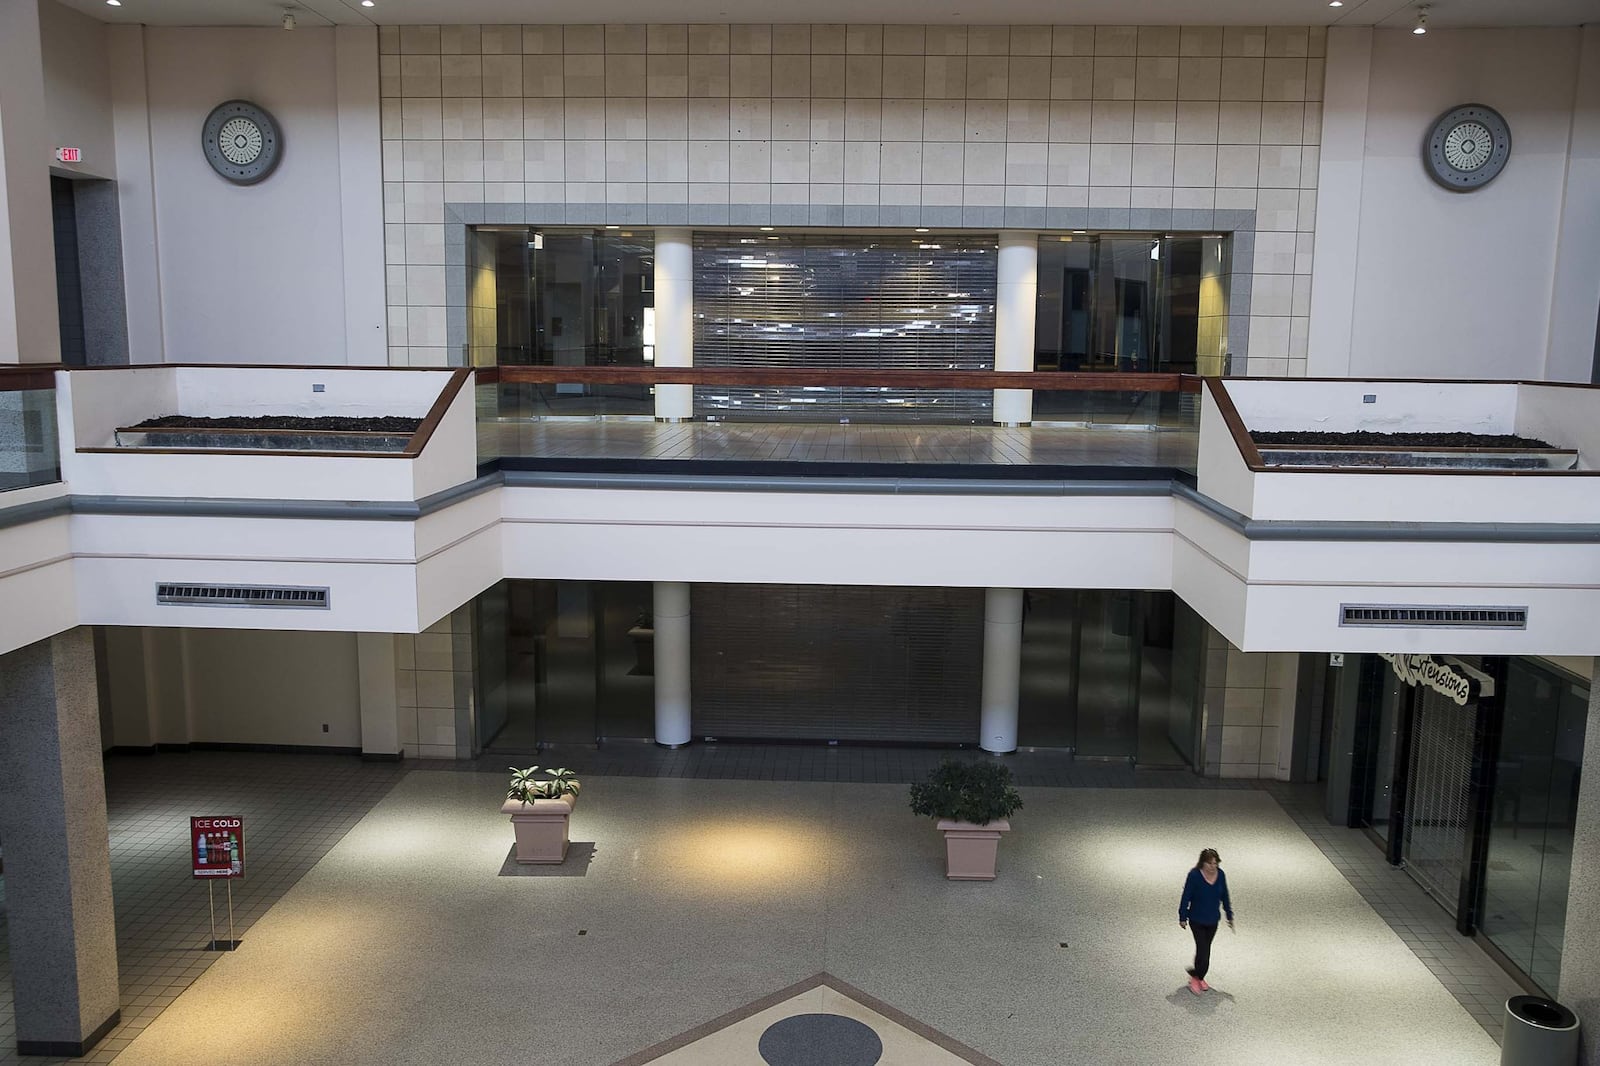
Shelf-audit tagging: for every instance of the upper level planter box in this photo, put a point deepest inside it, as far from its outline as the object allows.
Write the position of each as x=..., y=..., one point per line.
x=101, y=456
x=1417, y=485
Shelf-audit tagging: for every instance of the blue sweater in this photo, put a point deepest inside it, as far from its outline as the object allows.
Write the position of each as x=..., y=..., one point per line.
x=1203, y=904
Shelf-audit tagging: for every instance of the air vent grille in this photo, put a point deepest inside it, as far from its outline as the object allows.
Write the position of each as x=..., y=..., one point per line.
x=1414, y=617
x=243, y=596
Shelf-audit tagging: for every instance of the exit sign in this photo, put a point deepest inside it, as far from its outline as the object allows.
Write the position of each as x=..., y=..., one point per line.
x=69, y=155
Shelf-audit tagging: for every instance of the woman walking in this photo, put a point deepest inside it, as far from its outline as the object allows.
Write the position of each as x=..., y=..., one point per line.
x=1205, y=900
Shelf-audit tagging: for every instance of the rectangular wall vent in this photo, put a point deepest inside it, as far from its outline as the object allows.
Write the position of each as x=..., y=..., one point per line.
x=243, y=596
x=1415, y=617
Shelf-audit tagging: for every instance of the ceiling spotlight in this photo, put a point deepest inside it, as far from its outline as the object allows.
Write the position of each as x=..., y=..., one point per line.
x=369, y=3
x=113, y=3
x=1422, y=21
x=288, y=19
x=1335, y=3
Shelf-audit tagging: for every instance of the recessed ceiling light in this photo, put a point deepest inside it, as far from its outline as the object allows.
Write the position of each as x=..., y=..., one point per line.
x=113, y=3
x=1335, y=3
x=922, y=229
x=369, y=3
x=1080, y=231
x=766, y=229
x=613, y=227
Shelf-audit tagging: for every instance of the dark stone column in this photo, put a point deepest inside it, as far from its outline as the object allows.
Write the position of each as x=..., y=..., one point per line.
x=57, y=847
x=1580, y=954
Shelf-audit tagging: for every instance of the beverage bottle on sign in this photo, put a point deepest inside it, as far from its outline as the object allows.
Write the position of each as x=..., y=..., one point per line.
x=202, y=849
x=233, y=849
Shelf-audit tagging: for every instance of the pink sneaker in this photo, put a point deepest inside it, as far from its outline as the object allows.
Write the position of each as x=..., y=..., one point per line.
x=1204, y=987
x=1196, y=985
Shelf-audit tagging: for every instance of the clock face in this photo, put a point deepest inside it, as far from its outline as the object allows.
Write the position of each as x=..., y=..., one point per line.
x=1467, y=147
x=241, y=142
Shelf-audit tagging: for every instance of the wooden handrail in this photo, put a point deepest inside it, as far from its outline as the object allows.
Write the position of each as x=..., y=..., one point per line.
x=842, y=377
x=27, y=377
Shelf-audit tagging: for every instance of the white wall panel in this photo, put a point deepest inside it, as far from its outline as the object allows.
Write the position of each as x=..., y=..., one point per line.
x=362, y=596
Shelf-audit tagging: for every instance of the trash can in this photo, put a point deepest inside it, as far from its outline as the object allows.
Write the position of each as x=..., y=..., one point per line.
x=1539, y=1032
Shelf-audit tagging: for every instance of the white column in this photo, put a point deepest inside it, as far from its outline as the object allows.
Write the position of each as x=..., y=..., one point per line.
x=1015, y=312
x=674, y=326
x=1002, y=669
x=671, y=613
x=29, y=331
x=366, y=339
x=136, y=194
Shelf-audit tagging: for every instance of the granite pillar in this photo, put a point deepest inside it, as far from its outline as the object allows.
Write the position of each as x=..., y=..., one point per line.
x=1580, y=954
x=58, y=855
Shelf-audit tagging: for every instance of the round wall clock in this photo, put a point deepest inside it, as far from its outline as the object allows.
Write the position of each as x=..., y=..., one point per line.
x=1467, y=147
x=241, y=142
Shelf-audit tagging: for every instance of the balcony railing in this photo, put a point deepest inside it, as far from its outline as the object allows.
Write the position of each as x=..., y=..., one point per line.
x=29, y=453
x=886, y=416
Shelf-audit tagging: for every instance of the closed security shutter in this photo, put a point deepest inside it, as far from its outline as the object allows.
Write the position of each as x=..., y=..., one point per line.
x=822, y=662
x=829, y=301
x=1439, y=795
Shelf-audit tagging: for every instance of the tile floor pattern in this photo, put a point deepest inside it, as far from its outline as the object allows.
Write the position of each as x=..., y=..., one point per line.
x=298, y=807
x=1480, y=985
x=295, y=807
x=980, y=446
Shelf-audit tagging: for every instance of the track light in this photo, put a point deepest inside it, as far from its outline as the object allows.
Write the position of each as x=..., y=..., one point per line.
x=288, y=19
x=1422, y=21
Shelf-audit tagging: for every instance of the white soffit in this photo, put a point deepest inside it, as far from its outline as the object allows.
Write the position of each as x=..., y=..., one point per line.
x=1442, y=14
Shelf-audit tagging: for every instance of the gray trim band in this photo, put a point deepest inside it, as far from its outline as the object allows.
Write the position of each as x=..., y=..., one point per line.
x=37, y=511
x=879, y=486
x=369, y=511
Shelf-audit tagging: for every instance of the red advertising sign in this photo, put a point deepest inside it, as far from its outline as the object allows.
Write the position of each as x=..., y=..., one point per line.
x=216, y=847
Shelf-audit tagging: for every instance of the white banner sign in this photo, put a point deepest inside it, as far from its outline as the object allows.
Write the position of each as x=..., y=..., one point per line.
x=1426, y=671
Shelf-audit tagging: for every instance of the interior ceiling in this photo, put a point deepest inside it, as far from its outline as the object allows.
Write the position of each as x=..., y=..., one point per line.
x=1442, y=14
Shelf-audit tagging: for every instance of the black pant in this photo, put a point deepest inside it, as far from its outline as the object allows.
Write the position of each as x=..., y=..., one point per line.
x=1203, y=935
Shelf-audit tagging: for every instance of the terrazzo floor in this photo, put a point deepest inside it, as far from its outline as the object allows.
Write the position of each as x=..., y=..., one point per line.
x=623, y=441
x=702, y=897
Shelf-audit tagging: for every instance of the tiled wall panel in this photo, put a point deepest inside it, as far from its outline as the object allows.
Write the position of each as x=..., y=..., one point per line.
x=985, y=127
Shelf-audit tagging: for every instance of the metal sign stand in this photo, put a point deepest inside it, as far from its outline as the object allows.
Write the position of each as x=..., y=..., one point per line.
x=211, y=898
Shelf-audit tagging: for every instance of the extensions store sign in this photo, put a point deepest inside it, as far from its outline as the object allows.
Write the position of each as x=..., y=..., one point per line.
x=1426, y=671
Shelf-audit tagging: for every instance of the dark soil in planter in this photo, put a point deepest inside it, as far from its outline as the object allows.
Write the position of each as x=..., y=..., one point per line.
x=1368, y=439
x=323, y=424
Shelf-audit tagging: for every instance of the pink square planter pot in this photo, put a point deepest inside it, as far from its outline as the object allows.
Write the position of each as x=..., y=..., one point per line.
x=541, y=827
x=970, y=850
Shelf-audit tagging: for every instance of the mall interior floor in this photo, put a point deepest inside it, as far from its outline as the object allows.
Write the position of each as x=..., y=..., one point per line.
x=377, y=926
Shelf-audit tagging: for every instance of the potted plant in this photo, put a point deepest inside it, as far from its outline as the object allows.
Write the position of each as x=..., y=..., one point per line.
x=540, y=809
x=972, y=801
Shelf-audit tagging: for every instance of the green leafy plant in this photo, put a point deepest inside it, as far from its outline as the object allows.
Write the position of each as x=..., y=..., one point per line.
x=976, y=792
x=526, y=786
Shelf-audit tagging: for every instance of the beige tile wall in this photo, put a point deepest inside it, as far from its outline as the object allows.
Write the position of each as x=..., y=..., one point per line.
x=1030, y=127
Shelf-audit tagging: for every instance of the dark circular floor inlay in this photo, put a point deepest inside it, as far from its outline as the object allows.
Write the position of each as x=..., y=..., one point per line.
x=820, y=1040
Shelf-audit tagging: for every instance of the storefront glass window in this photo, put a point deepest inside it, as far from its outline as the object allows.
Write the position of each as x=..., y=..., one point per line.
x=1128, y=304
x=562, y=297
x=1535, y=807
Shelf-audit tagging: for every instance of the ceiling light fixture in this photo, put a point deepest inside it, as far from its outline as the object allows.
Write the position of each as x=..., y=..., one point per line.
x=1422, y=21
x=766, y=229
x=113, y=3
x=288, y=19
x=369, y=3
x=1335, y=3
x=921, y=229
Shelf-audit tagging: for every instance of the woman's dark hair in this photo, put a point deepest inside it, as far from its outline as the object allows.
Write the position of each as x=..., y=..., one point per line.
x=1208, y=855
